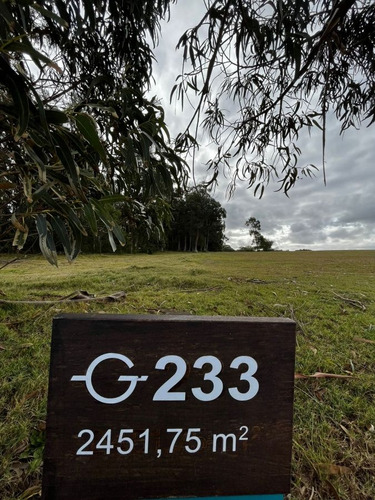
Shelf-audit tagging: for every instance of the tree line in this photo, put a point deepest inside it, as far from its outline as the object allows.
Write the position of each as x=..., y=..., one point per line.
x=195, y=223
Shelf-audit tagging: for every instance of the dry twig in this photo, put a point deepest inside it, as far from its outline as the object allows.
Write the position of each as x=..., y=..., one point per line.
x=9, y=262
x=80, y=296
x=352, y=302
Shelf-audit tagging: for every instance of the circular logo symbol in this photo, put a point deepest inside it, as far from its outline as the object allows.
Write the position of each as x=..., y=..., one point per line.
x=132, y=379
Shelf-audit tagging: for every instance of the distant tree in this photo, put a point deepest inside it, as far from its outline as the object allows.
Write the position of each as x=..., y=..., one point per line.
x=259, y=242
x=197, y=222
x=246, y=249
x=228, y=248
x=264, y=71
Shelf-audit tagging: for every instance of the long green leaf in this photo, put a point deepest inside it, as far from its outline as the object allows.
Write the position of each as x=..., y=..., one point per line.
x=52, y=248
x=38, y=161
x=4, y=12
x=42, y=115
x=62, y=233
x=46, y=243
x=76, y=243
x=149, y=127
x=21, y=103
x=75, y=220
x=39, y=193
x=145, y=146
x=112, y=228
x=74, y=141
x=87, y=126
x=66, y=157
x=28, y=188
x=117, y=231
x=128, y=152
x=91, y=218
x=112, y=240
x=33, y=53
x=51, y=15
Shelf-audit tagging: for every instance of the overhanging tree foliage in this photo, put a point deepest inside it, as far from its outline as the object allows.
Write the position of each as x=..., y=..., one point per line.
x=263, y=71
x=76, y=130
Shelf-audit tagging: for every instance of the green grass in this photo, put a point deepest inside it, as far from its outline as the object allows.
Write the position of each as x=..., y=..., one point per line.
x=331, y=296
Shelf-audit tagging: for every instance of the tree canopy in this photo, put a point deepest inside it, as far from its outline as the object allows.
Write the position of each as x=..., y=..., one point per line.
x=76, y=130
x=264, y=71
x=197, y=222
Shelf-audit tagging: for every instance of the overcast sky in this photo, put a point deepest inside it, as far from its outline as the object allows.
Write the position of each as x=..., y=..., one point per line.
x=338, y=216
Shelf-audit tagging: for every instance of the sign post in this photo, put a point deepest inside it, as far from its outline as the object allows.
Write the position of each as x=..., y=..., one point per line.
x=149, y=407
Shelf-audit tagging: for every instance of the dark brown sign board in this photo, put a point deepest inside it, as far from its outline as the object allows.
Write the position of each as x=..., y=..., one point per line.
x=143, y=407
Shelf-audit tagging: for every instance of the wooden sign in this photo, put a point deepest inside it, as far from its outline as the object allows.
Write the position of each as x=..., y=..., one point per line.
x=168, y=406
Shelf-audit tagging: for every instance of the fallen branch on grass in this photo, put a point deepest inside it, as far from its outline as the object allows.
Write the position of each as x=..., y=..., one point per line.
x=199, y=290
x=352, y=302
x=80, y=296
x=256, y=281
x=320, y=375
x=366, y=341
x=9, y=262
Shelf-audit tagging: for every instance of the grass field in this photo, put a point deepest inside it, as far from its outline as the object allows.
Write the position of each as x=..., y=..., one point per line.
x=330, y=295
